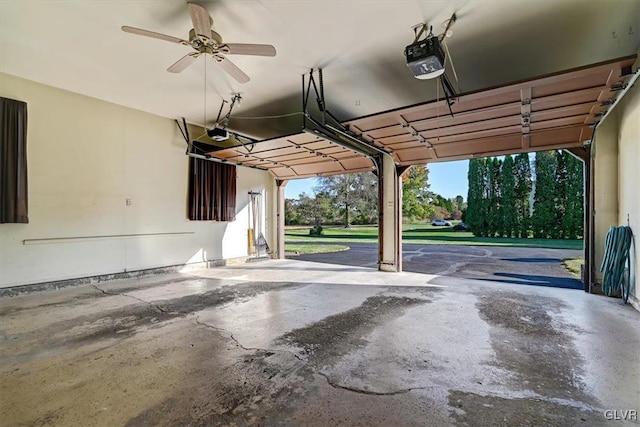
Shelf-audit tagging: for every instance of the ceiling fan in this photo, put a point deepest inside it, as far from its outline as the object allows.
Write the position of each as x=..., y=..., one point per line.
x=204, y=40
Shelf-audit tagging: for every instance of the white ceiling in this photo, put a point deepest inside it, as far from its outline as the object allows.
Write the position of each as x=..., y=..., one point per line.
x=78, y=46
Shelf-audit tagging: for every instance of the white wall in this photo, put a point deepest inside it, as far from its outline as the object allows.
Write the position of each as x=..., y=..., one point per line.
x=617, y=177
x=86, y=157
x=629, y=177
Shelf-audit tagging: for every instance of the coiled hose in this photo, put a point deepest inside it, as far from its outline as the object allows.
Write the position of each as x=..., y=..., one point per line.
x=616, y=255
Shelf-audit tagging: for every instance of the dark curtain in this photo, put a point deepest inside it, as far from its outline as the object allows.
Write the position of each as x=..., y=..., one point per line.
x=13, y=161
x=212, y=190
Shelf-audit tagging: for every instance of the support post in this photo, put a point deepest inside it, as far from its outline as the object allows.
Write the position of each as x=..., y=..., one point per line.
x=589, y=225
x=389, y=225
x=281, y=183
x=401, y=171
x=584, y=154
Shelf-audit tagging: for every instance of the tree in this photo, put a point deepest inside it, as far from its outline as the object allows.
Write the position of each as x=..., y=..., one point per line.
x=416, y=194
x=493, y=196
x=458, y=203
x=574, y=216
x=508, y=210
x=439, y=212
x=561, y=222
x=543, y=205
x=351, y=193
x=523, y=185
x=291, y=215
x=443, y=207
x=476, y=214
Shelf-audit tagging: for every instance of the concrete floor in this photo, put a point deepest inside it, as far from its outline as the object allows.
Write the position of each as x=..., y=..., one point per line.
x=301, y=343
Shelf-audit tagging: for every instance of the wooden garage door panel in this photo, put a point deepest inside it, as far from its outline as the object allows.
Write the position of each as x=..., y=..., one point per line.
x=492, y=98
x=308, y=160
x=557, y=123
x=284, y=151
x=484, y=134
x=319, y=145
x=253, y=162
x=316, y=168
x=357, y=162
x=387, y=132
x=574, y=134
x=290, y=157
x=480, y=146
x=369, y=124
x=409, y=154
x=593, y=95
x=284, y=172
x=336, y=149
x=473, y=127
x=571, y=85
x=345, y=155
x=469, y=117
x=225, y=154
x=268, y=145
x=303, y=138
x=396, y=139
x=245, y=158
x=405, y=145
x=584, y=109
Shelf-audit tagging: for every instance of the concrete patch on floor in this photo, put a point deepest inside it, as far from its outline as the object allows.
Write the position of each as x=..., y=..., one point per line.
x=534, y=345
x=325, y=342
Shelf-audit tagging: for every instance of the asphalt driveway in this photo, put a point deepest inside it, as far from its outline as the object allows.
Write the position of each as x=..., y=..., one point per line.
x=523, y=266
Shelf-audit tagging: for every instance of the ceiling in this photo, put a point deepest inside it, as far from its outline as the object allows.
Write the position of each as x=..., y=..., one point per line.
x=78, y=46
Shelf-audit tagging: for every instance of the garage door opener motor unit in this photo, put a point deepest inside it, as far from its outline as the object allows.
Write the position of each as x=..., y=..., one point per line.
x=425, y=58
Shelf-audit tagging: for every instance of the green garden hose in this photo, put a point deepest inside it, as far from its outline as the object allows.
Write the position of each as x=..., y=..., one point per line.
x=616, y=257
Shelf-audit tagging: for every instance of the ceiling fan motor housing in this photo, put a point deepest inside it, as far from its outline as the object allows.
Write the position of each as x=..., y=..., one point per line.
x=194, y=37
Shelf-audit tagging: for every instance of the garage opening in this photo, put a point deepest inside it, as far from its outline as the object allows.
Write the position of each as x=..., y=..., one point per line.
x=553, y=112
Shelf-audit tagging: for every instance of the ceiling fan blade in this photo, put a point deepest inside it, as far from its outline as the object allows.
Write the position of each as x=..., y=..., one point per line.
x=251, y=49
x=153, y=35
x=201, y=20
x=183, y=62
x=233, y=70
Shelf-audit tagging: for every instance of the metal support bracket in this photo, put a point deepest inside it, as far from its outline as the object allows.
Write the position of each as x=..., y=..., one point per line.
x=327, y=126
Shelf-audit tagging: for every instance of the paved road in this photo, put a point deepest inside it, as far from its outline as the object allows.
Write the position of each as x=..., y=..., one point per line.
x=526, y=266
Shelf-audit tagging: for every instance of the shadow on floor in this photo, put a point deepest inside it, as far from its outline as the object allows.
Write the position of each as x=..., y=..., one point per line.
x=533, y=280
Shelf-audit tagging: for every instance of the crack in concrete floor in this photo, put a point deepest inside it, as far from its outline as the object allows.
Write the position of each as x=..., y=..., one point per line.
x=239, y=344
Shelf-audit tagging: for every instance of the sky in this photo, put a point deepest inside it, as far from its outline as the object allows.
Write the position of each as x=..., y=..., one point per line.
x=449, y=179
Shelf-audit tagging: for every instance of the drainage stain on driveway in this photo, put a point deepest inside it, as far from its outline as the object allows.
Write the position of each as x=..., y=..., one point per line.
x=308, y=345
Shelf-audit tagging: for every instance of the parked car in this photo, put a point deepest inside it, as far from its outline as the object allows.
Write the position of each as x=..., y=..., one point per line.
x=440, y=223
x=461, y=226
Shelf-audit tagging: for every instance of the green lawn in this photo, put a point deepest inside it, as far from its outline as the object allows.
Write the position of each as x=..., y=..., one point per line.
x=422, y=234
x=311, y=248
x=573, y=265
